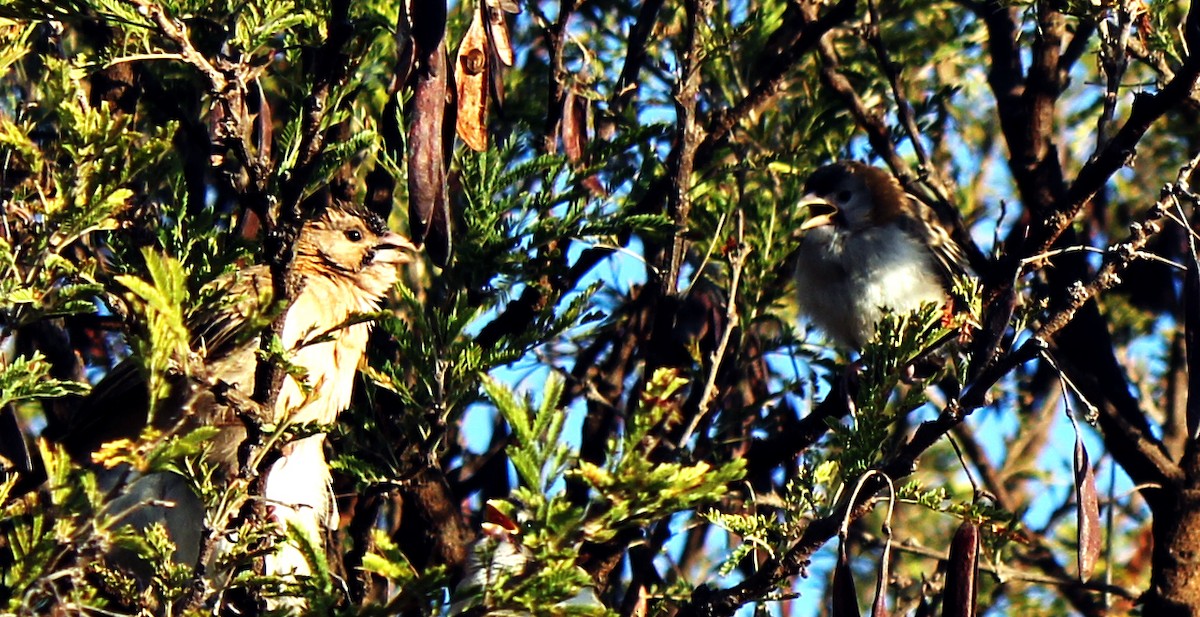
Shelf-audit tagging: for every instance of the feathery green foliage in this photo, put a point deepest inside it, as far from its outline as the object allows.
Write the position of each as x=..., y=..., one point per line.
x=626, y=243
x=161, y=302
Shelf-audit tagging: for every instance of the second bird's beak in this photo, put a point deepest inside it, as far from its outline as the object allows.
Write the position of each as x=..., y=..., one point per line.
x=392, y=241
x=820, y=212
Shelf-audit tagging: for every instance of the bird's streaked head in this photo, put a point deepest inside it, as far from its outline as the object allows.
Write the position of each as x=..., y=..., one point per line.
x=354, y=244
x=851, y=196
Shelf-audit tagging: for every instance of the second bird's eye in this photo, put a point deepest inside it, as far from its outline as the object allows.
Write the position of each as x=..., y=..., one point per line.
x=843, y=196
x=354, y=235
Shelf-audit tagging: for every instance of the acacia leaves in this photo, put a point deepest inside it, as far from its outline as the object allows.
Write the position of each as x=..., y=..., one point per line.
x=161, y=302
x=633, y=488
x=628, y=491
x=28, y=379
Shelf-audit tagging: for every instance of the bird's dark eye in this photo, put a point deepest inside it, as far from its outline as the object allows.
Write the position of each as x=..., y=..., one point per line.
x=843, y=196
x=354, y=235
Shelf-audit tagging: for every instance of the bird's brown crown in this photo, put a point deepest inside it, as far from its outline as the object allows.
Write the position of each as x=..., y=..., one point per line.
x=887, y=195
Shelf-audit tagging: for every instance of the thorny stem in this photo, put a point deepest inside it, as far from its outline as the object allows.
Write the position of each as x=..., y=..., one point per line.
x=1117, y=259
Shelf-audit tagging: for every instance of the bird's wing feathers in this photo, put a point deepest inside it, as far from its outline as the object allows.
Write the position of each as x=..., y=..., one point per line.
x=951, y=259
x=222, y=321
x=117, y=405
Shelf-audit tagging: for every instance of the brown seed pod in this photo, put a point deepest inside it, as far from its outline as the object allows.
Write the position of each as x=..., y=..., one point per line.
x=962, y=572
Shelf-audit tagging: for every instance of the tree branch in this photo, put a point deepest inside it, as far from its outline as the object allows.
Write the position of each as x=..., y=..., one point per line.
x=687, y=137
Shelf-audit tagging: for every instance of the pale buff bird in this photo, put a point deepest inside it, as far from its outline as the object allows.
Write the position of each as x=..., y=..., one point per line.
x=347, y=260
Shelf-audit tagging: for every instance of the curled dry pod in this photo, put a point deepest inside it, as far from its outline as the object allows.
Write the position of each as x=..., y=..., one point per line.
x=879, y=604
x=471, y=79
x=499, y=44
x=843, y=596
x=576, y=118
x=406, y=48
x=1088, y=512
x=962, y=572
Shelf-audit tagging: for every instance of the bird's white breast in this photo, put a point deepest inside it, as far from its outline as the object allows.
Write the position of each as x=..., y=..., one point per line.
x=330, y=364
x=845, y=279
x=298, y=484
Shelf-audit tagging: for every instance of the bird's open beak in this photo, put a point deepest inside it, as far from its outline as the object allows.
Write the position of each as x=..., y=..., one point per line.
x=498, y=519
x=820, y=212
x=392, y=241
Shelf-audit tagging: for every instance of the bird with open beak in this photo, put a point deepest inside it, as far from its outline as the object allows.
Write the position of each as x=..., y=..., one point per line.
x=867, y=247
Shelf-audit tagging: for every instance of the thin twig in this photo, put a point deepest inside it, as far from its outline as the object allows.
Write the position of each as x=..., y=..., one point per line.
x=1004, y=573
x=1039, y=258
x=737, y=261
x=176, y=31
x=1117, y=259
x=141, y=57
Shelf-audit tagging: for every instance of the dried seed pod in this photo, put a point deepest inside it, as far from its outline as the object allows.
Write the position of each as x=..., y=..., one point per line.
x=263, y=124
x=427, y=203
x=574, y=126
x=498, y=28
x=406, y=48
x=1088, y=511
x=879, y=604
x=471, y=80
x=962, y=572
x=843, y=595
